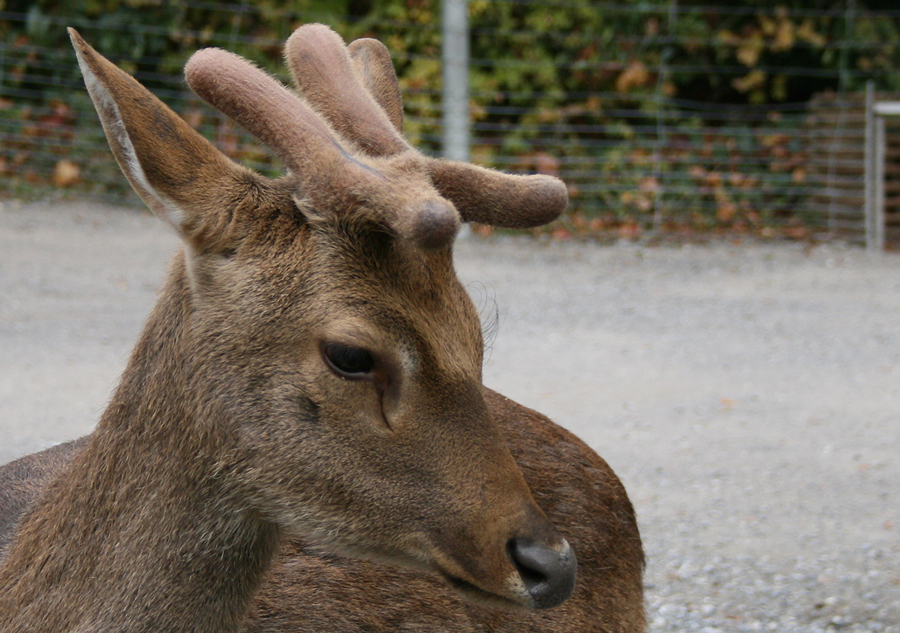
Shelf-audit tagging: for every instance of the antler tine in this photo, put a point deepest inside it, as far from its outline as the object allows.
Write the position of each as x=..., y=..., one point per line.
x=480, y=195
x=330, y=85
x=372, y=61
x=498, y=199
x=280, y=120
x=324, y=73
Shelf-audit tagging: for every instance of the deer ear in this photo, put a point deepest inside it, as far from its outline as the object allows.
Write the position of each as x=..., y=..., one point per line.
x=179, y=174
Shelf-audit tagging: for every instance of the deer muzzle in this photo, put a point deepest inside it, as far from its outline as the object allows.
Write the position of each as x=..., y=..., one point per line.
x=547, y=572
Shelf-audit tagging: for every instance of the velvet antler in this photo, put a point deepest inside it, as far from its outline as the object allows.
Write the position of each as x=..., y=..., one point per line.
x=323, y=70
x=287, y=125
x=372, y=62
x=334, y=180
x=356, y=90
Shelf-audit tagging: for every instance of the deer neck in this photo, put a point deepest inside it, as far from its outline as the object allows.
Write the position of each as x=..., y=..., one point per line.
x=140, y=533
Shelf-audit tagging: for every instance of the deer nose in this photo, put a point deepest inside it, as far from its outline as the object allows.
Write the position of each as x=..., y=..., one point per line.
x=548, y=573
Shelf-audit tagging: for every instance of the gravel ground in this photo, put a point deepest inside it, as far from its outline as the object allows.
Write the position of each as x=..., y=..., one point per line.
x=749, y=397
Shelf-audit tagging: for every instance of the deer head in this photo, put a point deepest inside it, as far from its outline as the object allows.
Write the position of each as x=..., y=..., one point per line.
x=319, y=359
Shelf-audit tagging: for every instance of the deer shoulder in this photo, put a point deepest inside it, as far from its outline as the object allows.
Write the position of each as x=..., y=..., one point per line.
x=573, y=486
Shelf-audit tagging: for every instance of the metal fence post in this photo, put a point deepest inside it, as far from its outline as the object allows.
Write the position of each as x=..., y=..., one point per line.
x=878, y=215
x=876, y=155
x=869, y=167
x=455, y=71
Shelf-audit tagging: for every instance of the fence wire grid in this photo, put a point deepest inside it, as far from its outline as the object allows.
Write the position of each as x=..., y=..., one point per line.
x=664, y=118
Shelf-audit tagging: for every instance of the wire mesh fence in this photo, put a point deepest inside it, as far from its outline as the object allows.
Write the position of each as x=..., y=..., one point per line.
x=664, y=117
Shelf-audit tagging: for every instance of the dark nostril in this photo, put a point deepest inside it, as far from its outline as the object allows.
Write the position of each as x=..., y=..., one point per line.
x=548, y=573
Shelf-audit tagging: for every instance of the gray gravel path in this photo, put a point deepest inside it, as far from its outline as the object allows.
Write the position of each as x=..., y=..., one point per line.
x=748, y=397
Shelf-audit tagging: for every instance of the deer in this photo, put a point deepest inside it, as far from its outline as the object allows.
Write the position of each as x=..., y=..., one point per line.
x=301, y=440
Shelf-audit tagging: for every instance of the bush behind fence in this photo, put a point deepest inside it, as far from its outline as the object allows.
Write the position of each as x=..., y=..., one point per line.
x=664, y=117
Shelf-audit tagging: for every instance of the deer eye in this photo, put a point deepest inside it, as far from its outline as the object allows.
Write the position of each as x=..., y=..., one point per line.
x=348, y=361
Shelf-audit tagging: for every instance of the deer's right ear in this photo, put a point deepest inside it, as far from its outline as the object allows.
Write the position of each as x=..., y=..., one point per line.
x=179, y=174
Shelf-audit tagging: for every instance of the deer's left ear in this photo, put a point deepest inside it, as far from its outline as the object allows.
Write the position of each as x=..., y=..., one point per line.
x=179, y=174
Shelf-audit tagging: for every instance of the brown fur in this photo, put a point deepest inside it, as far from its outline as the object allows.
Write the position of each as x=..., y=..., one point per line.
x=309, y=590
x=22, y=481
x=234, y=427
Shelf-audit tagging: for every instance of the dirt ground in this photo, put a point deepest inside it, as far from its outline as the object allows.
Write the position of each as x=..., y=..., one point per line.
x=748, y=397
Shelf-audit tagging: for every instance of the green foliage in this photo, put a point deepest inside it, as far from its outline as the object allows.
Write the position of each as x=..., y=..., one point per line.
x=610, y=95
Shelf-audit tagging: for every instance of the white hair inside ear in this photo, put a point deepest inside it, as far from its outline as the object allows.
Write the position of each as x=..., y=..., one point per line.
x=117, y=134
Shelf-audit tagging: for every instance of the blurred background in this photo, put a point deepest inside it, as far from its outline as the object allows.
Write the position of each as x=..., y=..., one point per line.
x=668, y=119
x=746, y=396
